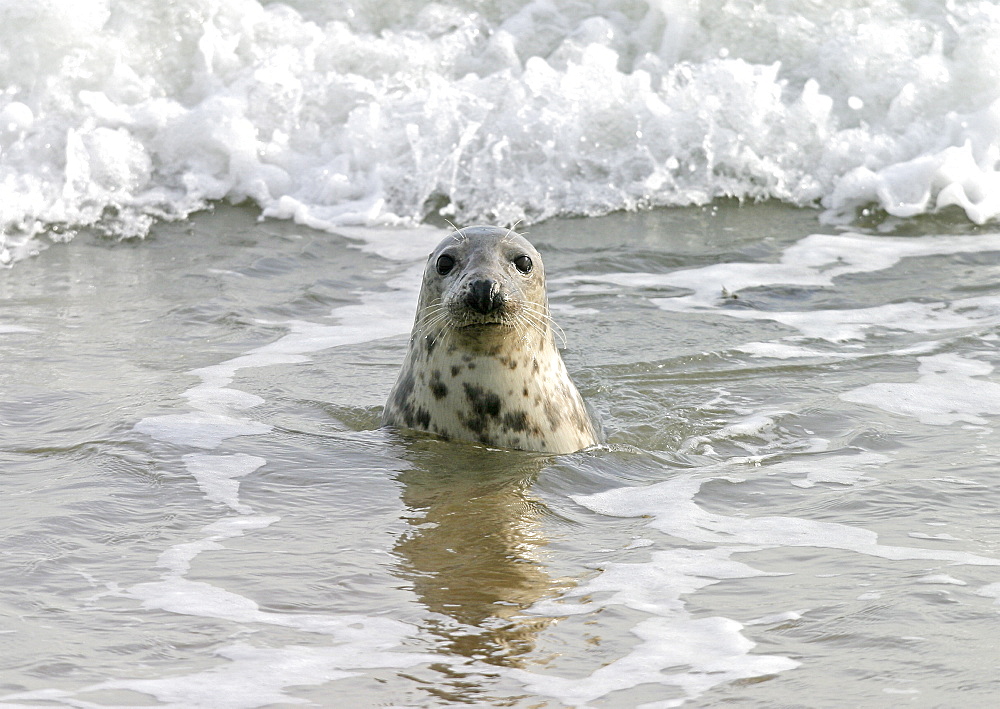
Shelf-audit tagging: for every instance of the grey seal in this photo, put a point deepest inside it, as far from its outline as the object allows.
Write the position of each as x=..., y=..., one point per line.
x=482, y=363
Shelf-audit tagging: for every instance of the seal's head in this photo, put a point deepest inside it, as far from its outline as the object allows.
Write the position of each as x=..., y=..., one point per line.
x=482, y=364
x=483, y=284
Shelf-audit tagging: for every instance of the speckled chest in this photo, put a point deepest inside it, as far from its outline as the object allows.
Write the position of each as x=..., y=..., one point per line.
x=516, y=395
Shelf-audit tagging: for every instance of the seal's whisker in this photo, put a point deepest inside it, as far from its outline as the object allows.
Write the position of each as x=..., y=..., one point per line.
x=459, y=234
x=438, y=318
x=544, y=316
x=435, y=324
x=532, y=322
x=433, y=319
x=524, y=323
x=510, y=232
x=433, y=310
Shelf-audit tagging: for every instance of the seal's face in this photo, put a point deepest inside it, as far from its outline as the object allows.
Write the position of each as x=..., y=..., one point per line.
x=483, y=282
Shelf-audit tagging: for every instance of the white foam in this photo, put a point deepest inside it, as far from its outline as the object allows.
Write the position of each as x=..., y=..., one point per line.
x=695, y=654
x=216, y=405
x=176, y=594
x=754, y=433
x=946, y=391
x=691, y=654
x=199, y=429
x=7, y=329
x=250, y=676
x=672, y=507
x=778, y=350
x=759, y=424
x=945, y=579
x=991, y=590
x=258, y=676
x=677, y=650
x=378, y=115
x=816, y=261
x=177, y=559
x=830, y=468
x=854, y=324
x=776, y=618
x=215, y=475
x=893, y=690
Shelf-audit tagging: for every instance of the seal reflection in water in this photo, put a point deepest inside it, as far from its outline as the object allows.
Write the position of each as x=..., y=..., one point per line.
x=482, y=364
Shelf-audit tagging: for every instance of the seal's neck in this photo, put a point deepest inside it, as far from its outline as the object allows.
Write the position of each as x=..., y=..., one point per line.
x=489, y=340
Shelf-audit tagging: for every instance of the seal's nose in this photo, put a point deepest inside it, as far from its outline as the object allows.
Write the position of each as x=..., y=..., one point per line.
x=484, y=296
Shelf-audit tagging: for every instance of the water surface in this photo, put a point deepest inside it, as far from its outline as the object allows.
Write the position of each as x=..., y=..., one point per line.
x=796, y=505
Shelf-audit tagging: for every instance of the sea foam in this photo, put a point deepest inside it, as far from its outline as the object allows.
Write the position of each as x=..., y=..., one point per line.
x=116, y=114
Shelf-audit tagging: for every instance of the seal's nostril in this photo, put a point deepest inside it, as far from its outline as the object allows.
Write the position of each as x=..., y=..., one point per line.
x=484, y=296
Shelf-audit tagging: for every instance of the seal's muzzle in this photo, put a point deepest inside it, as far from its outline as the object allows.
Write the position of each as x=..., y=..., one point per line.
x=484, y=296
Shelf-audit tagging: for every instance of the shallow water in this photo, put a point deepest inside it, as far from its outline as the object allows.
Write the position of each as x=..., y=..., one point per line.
x=796, y=506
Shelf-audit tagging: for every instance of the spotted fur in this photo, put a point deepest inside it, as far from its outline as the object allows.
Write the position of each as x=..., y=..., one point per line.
x=482, y=364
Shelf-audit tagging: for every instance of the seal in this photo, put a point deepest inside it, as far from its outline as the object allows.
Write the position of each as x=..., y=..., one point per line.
x=482, y=363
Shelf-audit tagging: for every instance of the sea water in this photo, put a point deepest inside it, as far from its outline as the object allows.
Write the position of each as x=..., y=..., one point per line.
x=797, y=503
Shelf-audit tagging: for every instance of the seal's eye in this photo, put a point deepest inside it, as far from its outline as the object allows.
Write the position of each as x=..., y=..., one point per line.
x=523, y=264
x=444, y=264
